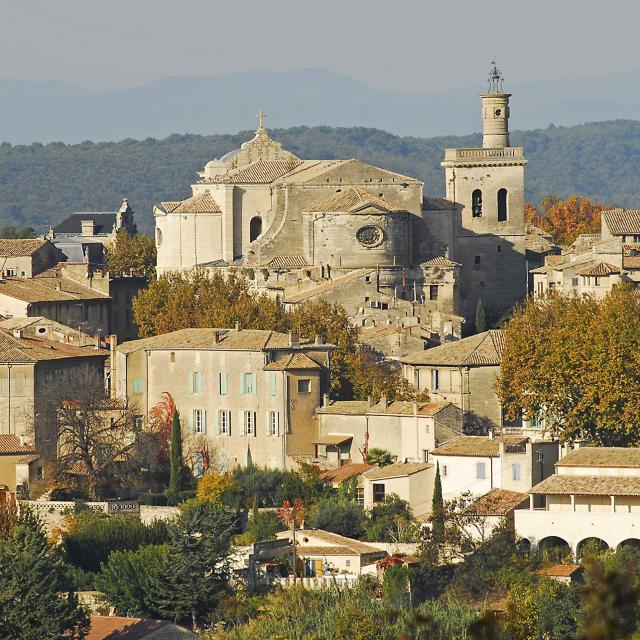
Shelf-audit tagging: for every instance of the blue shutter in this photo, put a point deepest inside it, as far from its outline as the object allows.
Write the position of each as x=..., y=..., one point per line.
x=222, y=378
x=272, y=383
x=253, y=383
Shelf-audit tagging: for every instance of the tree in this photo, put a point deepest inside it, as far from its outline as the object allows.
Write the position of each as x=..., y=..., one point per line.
x=128, y=579
x=132, y=253
x=98, y=439
x=391, y=521
x=179, y=479
x=481, y=324
x=378, y=456
x=36, y=600
x=160, y=422
x=573, y=362
x=8, y=515
x=566, y=219
x=213, y=486
x=292, y=516
x=197, y=573
x=437, y=509
x=339, y=516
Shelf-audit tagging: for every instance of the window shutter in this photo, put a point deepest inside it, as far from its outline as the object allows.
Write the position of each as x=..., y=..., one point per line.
x=267, y=424
x=204, y=421
x=191, y=383
x=272, y=383
x=198, y=382
x=277, y=423
x=242, y=425
x=255, y=424
x=190, y=421
x=242, y=383
x=228, y=423
x=216, y=416
x=253, y=383
x=223, y=383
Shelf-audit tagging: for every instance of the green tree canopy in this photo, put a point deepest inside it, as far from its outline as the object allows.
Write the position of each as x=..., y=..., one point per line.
x=339, y=516
x=135, y=253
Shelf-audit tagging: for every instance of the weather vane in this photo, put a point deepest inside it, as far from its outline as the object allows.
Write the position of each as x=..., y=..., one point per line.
x=495, y=79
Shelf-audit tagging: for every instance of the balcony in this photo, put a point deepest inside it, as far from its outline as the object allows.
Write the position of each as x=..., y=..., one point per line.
x=500, y=155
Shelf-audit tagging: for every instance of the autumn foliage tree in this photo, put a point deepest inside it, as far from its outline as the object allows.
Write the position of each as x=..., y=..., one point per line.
x=574, y=362
x=565, y=219
x=136, y=253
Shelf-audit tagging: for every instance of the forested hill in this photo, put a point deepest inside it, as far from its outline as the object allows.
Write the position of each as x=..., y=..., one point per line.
x=40, y=184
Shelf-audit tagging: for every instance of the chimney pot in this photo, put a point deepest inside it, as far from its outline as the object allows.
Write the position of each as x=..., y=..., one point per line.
x=383, y=401
x=325, y=399
x=294, y=339
x=370, y=401
x=17, y=333
x=491, y=434
x=238, y=327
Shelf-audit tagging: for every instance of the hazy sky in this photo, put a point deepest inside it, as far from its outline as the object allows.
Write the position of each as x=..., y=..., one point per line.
x=410, y=45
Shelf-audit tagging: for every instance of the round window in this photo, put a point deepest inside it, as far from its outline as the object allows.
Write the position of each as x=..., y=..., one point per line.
x=498, y=113
x=370, y=235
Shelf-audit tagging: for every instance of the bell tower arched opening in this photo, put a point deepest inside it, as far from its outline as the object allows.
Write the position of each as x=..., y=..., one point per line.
x=255, y=228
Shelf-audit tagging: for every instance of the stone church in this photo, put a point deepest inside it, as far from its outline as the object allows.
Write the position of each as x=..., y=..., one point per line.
x=357, y=234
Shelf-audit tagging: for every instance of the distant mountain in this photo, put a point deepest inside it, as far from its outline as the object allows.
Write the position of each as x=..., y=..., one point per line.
x=56, y=111
x=41, y=184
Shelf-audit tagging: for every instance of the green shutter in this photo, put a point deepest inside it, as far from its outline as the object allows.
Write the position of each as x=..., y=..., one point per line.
x=273, y=381
x=190, y=421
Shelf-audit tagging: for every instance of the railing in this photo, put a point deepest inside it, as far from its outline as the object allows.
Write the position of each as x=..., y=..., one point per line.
x=320, y=582
x=497, y=153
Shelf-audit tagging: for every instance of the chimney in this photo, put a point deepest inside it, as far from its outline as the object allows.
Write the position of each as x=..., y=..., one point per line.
x=216, y=337
x=294, y=339
x=415, y=407
x=383, y=401
x=325, y=399
x=238, y=327
x=491, y=434
x=318, y=340
x=59, y=286
x=370, y=401
x=87, y=228
x=17, y=333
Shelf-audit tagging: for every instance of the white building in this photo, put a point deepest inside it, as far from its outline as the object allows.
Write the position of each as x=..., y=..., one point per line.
x=594, y=494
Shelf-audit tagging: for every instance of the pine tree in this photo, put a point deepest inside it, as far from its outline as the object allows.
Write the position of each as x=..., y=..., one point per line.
x=35, y=599
x=437, y=509
x=179, y=475
x=481, y=323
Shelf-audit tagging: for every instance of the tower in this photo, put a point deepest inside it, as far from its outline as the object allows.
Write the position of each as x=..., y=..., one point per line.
x=487, y=185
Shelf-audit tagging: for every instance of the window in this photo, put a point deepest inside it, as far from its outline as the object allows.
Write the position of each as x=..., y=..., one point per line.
x=360, y=496
x=416, y=378
x=481, y=472
x=574, y=282
x=255, y=228
x=196, y=382
x=425, y=455
x=273, y=383
x=347, y=563
x=515, y=471
x=172, y=357
x=444, y=470
x=222, y=384
x=476, y=259
x=502, y=205
x=138, y=385
x=499, y=248
x=248, y=383
x=225, y=422
x=433, y=291
x=250, y=423
x=378, y=492
x=199, y=421
x=274, y=423
x=435, y=379
x=540, y=288
x=476, y=203
x=9, y=272
x=304, y=386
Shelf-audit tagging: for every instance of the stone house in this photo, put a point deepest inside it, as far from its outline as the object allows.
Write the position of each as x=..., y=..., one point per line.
x=593, y=495
x=407, y=430
x=249, y=394
x=474, y=465
x=412, y=482
x=26, y=258
x=19, y=464
x=464, y=373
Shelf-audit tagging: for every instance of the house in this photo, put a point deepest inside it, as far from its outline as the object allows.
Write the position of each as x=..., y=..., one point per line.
x=116, y=627
x=347, y=429
x=32, y=372
x=594, y=495
x=474, y=465
x=463, y=373
x=251, y=394
x=322, y=553
x=412, y=482
x=19, y=464
x=492, y=510
x=564, y=573
x=26, y=258
x=336, y=476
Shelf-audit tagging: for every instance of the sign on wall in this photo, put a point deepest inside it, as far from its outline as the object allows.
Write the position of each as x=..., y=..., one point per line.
x=123, y=507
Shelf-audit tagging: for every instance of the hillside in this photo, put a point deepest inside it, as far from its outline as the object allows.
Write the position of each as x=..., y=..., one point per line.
x=40, y=184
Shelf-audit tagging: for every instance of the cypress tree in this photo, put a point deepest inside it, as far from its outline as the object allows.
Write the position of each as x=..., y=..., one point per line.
x=178, y=476
x=481, y=322
x=36, y=600
x=437, y=509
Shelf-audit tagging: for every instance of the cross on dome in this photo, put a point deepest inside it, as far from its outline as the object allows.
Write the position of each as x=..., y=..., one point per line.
x=261, y=116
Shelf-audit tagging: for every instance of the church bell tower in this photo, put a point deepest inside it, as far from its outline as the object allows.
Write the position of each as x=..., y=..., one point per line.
x=495, y=112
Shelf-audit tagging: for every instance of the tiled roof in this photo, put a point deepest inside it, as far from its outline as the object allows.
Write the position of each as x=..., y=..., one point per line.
x=202, y=203
x=259, y=172
x=631, y=256
x=327, y=285
x=333, y=438
x=440, y=261
x=589, y=485
x=288, y=262
x=316, y=550
x=28, y=459
x=400, y=407
x=483, y=349
x=560, y=570
x=335, y=539
x=15, y=248
x=229, y=339
x=353, y=200
x=477, y=446
x=601, y=457
x=30, y=350
x=43, y=288
x=10, y=445
x=397, y=470
x=437, y=204
x=293, y=361
x=498, y=502
x=336, y=476
x=601, y=269
x=119, y=628
x=622, y=221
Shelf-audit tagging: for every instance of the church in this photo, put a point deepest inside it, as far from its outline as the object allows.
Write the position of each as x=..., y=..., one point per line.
x=366, y=237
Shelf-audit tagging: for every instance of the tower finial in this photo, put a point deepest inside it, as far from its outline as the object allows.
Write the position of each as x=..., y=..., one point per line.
x=261, y=116
x=495, y=79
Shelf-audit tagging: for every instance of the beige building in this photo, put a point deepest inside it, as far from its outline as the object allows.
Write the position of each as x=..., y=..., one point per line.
x=19, y=464
x=26, y=258
x=347, y=429
x=463, y=373
x=594, y=494
x=251, y=395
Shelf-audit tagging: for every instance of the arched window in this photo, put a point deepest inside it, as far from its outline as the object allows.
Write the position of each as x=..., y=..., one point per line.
x=502, y=205
x=158, y=237
x=255, y=228
x=476, y=203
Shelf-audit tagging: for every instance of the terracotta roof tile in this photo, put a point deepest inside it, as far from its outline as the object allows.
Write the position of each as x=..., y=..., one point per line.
x=291, y=362
x=440, y=261
x=119, y=628
x=336, y=476
x=622, y=221
x=628, y=457
x=30, y=350
x=477, y=446
x=288, y=262
x=202, y=203
x=16, y=248
x=589, y=485
x=397, y=470
x=401, y=407
x=355, y=199
x=483, y=349
x=10, y=445
x=335, y=539
x=43, y=288
x=259, y=172
x=498, y=502
x=560, y=570
x=601, y=269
